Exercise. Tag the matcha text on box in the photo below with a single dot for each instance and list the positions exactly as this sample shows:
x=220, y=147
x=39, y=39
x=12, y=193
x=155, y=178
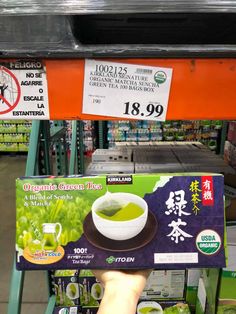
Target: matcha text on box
x=161, y=221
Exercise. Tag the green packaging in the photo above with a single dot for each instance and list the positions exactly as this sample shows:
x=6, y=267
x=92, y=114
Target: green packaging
x=124, y=221
x=227, y=282
x=66, y=287
x=91, y=291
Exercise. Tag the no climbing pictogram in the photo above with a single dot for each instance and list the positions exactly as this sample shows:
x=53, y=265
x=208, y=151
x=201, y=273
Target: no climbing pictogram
x=9, y=90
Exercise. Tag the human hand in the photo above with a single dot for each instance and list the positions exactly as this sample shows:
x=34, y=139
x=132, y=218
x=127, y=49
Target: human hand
x=132, y=280
x=122, y=290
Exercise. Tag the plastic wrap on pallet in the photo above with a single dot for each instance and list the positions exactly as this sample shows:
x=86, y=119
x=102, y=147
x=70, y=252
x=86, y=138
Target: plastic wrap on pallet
x=40, y=32
x=49, y=35
x=59, y=28
x=108, y=6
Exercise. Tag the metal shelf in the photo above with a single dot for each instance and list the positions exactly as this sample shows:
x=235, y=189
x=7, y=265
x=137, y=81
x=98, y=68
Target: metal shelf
x=63, y=7
x=39, y=163
x=51, y=35
x=198, y=88
x=73, y=51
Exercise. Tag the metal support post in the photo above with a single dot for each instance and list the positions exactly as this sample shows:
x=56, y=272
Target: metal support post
x=101, y=127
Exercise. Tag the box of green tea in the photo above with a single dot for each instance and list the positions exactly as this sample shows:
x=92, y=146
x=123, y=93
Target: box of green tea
x=163, y=307
x=66, y=287
x=161, y=221
x=91, y=290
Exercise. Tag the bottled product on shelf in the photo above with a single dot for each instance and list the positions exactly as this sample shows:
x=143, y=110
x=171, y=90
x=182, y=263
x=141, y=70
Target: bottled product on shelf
x=14, y=135
x=206, y=131
x=133, y=131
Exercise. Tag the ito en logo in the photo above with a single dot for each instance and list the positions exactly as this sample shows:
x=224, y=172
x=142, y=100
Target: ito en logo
x=208, y=242
x=160, y=77
x=110, y=259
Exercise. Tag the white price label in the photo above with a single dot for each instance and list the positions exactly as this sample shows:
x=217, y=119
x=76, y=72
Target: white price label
x=126, y=90
x=23, y=90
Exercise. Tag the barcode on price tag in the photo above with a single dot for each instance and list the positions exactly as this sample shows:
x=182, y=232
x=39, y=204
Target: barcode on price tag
x=126, y=90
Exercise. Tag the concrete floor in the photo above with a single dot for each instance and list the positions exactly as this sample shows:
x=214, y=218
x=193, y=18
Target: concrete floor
x=35, y=288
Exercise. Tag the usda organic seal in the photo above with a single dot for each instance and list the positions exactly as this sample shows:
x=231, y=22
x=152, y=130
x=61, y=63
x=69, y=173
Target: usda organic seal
x=160, y=77
x=208, y=242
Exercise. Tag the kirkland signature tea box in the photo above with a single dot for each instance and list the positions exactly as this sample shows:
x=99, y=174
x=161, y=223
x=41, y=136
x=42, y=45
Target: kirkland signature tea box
x=161, y=221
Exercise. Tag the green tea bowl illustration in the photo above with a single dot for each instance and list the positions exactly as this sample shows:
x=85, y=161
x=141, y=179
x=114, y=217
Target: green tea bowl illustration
x=119, y=216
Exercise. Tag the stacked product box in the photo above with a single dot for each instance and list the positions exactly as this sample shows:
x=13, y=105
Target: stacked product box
x=77, y=291
x=165, y=285
x=96, y=168
x=230, y=197
x=66, y=287
x=119, y=221
x=162, y=307
x=109, y=155
x=226, y=299
x=217, y=287
x=111, y=161
x=91, y=292
x=165, y=291
x=230, y=145
x=163, y=157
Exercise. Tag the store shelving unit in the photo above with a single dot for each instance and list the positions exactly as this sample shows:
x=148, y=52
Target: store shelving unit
x=207, y=132
x=203, y=85
x=14, y=135
x=53, y=16
x=39, y=162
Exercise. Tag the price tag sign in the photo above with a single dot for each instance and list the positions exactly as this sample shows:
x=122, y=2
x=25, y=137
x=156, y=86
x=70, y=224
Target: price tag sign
x=126, y=90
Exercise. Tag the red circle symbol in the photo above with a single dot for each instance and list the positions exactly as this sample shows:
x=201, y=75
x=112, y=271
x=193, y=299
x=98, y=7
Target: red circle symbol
x=3, y=99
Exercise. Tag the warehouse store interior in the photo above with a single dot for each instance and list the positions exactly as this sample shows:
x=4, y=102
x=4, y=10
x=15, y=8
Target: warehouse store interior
x=131, y=147
x=117, y=152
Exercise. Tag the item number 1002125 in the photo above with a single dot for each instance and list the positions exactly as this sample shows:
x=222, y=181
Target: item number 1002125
x=120, y=70
x=134, y=109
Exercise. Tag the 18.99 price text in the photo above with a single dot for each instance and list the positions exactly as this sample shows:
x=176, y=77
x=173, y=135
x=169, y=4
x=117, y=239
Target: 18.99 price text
x=149, y=110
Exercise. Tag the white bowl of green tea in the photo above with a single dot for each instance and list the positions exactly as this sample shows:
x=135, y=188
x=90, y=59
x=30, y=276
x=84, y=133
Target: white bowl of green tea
x=97, y=291
x=149, y=307
x=119, y=216
x=72, y=290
